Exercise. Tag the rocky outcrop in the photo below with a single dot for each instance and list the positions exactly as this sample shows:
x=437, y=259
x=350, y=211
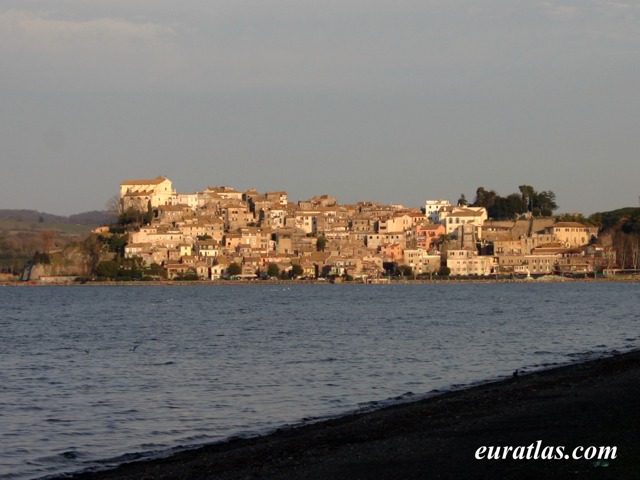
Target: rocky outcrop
x=74, y=260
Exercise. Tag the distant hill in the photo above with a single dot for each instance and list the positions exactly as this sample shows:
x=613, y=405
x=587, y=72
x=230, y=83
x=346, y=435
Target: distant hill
x=613, y=218
x=93, y=218
x=25, y=232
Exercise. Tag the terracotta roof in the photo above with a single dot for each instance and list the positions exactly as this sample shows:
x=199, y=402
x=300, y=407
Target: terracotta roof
x=222, y=190
x=173, y=208
x=466, y=213
x=431, y=226
x=319, y=256
x=153, y=181
x=569, y=224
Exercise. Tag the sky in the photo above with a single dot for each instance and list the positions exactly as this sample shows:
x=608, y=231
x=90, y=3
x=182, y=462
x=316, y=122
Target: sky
x=389, y=101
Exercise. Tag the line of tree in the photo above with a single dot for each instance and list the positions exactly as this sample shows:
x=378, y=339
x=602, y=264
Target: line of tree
x=628, y=219
x=620, y=231
x=528, y=200
x=135, y=217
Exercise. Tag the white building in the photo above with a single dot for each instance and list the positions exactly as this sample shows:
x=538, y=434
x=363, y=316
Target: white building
x=432, y=209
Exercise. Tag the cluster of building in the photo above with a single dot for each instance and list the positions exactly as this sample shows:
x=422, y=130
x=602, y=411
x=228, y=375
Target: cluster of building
x=204, y=232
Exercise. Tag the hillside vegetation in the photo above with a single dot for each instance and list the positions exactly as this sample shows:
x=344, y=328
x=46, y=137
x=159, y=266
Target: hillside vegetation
x=24, y=233
x=620, y=231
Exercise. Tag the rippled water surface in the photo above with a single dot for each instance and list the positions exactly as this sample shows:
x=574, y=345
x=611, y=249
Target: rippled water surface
x=91, y=376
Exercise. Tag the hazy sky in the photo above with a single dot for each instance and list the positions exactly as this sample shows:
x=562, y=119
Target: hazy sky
x=392, y=101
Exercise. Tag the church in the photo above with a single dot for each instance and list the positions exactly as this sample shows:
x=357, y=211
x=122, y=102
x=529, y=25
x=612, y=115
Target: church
x=138, y=193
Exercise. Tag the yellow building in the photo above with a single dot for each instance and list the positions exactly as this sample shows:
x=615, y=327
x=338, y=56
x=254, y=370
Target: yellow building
x=573, y=234
x=468, y=262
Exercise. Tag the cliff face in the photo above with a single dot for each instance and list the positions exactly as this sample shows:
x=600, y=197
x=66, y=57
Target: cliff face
x=74, y=260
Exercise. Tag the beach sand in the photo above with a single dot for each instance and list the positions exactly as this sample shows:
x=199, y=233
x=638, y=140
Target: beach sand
x=596, y=403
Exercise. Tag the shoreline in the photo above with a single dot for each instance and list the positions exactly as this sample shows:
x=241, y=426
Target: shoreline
x=593, y=403
x=455, y=281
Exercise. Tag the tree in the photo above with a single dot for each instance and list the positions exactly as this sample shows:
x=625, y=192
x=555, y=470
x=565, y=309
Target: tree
x=631, y=224
x=156, y=270
x=462, y=201
x=546, y=202
x=297, y=270
x=188, y=276
x=507, y=207
x=577, y=217
x=114, y=206
x=92, y=247
x=131, y=216
x=234, y=269
x=405, y=270
x=480, y=197
x=528, y=196
x=132, y=268
x=516, y=204
x=444, y=271
x=390, y=268
x=443, y=241
x=116, y=243
x=148, y=217
x=609, y=220
x=107, y=269
x=484, y=198
x=273, y=270
x=321, y=243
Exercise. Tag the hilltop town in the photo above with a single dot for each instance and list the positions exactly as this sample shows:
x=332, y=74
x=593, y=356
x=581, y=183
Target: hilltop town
x=221, y=232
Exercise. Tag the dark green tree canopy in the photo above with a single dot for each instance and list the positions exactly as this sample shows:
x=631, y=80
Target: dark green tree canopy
x=509, y=207
x=405, y=270
x=577, y=217
x=631, y=224
x=484, y=198
x=107, y=269
x=444, y=271
x=273, y=270
x=321, y=244
x=297, y=270
x=234, y=269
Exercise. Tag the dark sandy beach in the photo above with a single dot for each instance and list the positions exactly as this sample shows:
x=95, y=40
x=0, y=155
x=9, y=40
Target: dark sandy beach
x=596, y=403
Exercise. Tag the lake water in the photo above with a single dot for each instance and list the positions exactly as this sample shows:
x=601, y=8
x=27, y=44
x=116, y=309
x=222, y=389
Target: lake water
x=93, y=376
